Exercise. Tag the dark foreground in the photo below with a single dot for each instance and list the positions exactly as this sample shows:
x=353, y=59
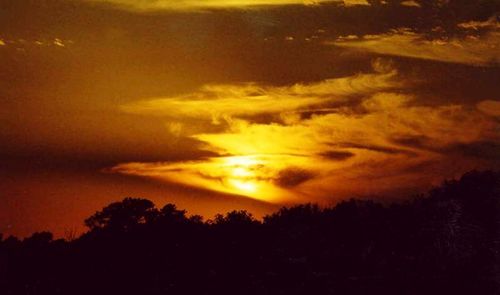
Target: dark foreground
x=446, y=242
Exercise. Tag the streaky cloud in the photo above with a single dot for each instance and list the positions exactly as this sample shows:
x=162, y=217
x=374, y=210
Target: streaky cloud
x=490, y=107
x=146, y=5
x=293, y=162
x=216, y=102
x=411, y=3
x=477, y=50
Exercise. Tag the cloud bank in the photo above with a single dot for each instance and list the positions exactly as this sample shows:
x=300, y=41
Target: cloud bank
x=197, y=4
x=355, y=135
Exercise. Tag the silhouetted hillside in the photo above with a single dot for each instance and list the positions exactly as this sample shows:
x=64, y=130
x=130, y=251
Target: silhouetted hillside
x=446, y=242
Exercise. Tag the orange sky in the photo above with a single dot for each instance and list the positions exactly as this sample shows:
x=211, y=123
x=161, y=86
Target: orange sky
x=221, y=105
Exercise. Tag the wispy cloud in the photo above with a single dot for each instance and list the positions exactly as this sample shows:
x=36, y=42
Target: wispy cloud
x=481, y=50
x=491, y=23
x=490, y=107
x=35, y=43
x=216, y=102
x=197, y=4
x=352, y=149
x=411, y=3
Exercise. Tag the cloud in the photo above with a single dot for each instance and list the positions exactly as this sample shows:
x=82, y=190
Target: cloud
x=480, y=148
x=488, y=150
x=291, y=177
x=480, y=50
x=355, y=2
x=369, y=131
x=217, y=102
x=337, y=154
x=197, y=4
x=411, y=3
x=35, y=43
x=490, y=107
x=491, y=23
x=259, y=177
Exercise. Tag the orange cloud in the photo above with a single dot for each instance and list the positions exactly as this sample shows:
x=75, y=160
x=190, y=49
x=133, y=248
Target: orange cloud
x=217, y=102
x=197, y=4
x=490, y=107
x=491, y=23
x=343, y=152
x=411, y=3
x=472, y=50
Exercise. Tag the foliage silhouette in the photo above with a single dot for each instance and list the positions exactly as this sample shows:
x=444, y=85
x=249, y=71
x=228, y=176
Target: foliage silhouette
x=123, y=215
x=446, y=242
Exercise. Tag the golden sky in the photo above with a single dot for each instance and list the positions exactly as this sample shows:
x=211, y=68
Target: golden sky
x=148, y=5
x=219, y=105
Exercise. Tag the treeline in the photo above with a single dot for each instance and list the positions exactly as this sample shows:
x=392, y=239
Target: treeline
x=444, y=242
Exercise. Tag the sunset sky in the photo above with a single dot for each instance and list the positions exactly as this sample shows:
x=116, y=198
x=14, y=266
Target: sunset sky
x=217, y=105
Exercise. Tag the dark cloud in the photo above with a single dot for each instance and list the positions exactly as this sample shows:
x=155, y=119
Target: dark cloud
x=483, y=149
x=337, y=155
x=291, y=177
x=418, y=142
x=443, y=83
x=487, y=150
x=378, y=149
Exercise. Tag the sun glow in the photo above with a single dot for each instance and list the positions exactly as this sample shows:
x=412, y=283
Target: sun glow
x=241, y=173
x=255, y=176
x=248, y=175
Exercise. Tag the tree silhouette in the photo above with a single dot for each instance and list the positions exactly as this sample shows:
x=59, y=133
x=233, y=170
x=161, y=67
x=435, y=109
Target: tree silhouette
x=39, y=238
x=443, y=242
x=123, y=215
x=170, y=213
x=235, y=218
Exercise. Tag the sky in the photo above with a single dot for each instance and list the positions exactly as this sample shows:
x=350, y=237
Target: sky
x=220, y=105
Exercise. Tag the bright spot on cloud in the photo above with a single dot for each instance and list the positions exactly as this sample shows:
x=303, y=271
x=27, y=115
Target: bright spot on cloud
x=248, y=175
x=355, y=2
x=59, y=42
x=410, y=3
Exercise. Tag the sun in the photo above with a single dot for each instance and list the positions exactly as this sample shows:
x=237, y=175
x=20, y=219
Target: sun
x=241, y=173
x=254, y=176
